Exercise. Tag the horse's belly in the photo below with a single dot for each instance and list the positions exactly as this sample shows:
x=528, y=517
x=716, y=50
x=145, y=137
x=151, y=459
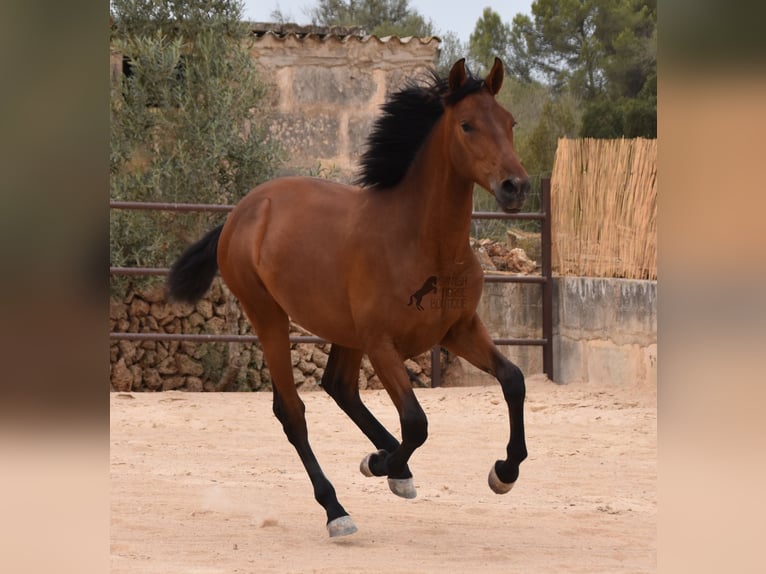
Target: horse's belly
x=418, y=334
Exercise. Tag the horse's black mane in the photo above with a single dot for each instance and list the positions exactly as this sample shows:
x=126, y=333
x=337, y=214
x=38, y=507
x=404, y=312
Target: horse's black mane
x=407, y=119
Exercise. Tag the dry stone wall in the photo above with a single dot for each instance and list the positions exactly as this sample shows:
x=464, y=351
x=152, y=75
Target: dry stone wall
x=152, y=365
x=184, y=365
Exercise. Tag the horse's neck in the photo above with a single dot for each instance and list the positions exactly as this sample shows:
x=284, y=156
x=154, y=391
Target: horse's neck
x=439, y=204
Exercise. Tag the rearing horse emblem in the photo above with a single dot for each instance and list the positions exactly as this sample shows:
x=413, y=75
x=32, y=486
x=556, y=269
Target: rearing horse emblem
x=428, y=287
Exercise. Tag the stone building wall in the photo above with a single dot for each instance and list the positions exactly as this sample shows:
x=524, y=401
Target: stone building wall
x=329, y=85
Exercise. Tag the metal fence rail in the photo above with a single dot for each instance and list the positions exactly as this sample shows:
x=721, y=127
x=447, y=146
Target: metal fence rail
x=545, y=279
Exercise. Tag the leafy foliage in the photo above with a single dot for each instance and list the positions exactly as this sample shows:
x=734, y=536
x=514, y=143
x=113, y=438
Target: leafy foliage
x=603, y=52
x=185, y=121
x=451, y=50
x=378, y=17
x=490, y=38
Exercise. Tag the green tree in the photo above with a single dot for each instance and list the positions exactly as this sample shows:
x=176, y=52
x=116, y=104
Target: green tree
x=186, y=121
x=451, y=50
x=543, y=116
x=489, y=39
x=602, y=51
x=518, y=62
x=627, y=32
x=561, y=45
x=378, y=17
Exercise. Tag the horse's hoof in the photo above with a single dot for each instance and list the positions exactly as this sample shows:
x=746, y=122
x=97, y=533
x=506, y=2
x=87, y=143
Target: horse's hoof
x=342, y=526
x=364, y=466
x=404, y=487
x=497, y=485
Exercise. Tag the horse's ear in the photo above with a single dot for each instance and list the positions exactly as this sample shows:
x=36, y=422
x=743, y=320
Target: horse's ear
x=494, y=80
x=457, y=75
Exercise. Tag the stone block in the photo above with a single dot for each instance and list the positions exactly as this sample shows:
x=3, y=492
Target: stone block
x=528, y=358
x=614, y=364
x=569, y=360
x=635, y=311
x=584, y=308
x=152, y=379
x=649, y=364
x=511, y=310
x=621, y=310
x=172, y=383
x=359, y=128
x=185, y=365
x=194, y=384
x=308, y=137
x=337, y=86
x=528, y=241
x=122, y=376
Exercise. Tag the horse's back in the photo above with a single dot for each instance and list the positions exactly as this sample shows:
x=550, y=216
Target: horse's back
x=291, y=235
x=288, y=212
x=298, y=199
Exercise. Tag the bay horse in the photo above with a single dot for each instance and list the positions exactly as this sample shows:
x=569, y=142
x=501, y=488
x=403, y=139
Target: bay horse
x=345, y=262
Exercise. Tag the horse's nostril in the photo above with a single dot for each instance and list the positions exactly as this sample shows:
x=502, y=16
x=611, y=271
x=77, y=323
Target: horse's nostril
x=516, y=185
x=509, y=186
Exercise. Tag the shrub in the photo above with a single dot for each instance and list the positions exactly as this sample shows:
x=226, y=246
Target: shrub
x=187, y=122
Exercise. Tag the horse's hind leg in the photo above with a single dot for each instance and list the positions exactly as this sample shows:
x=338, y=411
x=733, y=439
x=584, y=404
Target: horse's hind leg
x=341, y=381
x=471, y=341
x=272, y=326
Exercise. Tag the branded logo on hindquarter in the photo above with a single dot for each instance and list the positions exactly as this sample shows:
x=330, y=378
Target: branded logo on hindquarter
x=448, y=293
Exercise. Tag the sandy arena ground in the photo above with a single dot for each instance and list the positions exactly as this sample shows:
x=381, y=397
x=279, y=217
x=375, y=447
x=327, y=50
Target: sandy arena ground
x=207, y=483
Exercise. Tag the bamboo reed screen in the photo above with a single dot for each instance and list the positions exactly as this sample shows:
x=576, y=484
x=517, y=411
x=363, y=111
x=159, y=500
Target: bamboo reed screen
x=604, y=208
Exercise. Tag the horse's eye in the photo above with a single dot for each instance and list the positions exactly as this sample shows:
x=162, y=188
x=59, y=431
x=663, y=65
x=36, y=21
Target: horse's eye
x=467, y=128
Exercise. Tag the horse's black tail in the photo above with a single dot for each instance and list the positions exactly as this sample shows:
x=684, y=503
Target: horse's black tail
x=193, y=272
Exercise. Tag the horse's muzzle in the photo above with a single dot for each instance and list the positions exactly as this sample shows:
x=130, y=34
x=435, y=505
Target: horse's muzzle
x=512, y=193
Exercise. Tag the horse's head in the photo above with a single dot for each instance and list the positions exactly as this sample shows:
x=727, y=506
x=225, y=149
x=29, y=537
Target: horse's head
x=481, y=136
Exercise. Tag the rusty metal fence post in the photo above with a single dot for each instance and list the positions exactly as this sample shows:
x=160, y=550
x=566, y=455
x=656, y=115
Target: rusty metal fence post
x=546, y=242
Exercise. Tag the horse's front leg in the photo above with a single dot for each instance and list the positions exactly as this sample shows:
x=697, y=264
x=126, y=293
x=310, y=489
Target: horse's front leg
x=393, y=374
x=341, y=381
x=470, y=340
